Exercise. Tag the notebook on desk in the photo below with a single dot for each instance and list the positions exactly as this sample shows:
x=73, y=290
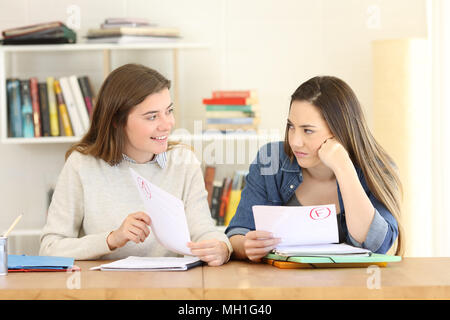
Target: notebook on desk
x=24, y=263
x=329, y=261
x=133, y=263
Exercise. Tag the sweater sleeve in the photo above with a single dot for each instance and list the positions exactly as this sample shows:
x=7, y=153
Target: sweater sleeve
x=198, y=215
x=60, y=235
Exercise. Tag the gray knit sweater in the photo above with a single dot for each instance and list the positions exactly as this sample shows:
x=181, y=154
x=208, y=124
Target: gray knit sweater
x=92, y=198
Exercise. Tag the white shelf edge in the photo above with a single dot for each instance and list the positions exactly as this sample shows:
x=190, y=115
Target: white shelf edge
x=102, y=46
x=41, y=140
x=228, y=136
x=174, y=138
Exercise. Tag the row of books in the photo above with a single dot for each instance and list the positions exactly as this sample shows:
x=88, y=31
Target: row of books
x=131, y=30
x=224, y=196
x=42, y=33
x=56, y=107
x=232, y=110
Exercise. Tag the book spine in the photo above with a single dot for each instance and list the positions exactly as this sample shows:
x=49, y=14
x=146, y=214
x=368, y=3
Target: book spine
x=36, y=107
x=230, y=127
x=242, y=108
x=77, y=127
x=233, y=94
x=87, y=94
x=209, y=179
x=230, y=101
x=229, y=114
x=229, y=121
x=14, y=107
x=27, y=109
x=215, y=200
x=62, y=109
x=52, y=107
x=79, y=100
x=43, y=102
x=226, y=189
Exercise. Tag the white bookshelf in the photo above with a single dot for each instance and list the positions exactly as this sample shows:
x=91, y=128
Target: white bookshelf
x=8, y=51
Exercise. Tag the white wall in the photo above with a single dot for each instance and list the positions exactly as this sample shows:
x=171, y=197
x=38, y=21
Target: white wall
x=268, y=45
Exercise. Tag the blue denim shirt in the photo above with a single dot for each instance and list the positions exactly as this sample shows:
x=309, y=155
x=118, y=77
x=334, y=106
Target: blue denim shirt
x=273, y=179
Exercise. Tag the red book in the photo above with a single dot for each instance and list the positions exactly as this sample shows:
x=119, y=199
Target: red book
x=230, y=101
x=233, y=94
x=34, y=92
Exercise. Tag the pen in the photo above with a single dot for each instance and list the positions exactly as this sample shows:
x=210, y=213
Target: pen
x=13, y=225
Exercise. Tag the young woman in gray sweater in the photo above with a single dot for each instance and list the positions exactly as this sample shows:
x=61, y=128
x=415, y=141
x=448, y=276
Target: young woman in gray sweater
x=96, y=211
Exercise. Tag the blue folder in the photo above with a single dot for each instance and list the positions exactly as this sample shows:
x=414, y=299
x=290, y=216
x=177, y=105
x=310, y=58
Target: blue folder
x=38, y=263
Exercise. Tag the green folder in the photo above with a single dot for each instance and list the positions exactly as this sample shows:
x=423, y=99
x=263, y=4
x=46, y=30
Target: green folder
x=329, y=261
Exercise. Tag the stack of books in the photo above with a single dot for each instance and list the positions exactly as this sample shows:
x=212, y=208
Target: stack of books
x=224, y=196
x=43, y=33
x=232, y=110
x=56, y=107
x=127, y=30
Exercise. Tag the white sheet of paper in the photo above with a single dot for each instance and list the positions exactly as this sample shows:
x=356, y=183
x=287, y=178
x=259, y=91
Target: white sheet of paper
x=302, y=225
x=168, y=219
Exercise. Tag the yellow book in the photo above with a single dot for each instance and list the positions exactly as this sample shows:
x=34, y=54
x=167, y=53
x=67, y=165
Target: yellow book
x=235, y=197
x=63, y=110
x=52, y=107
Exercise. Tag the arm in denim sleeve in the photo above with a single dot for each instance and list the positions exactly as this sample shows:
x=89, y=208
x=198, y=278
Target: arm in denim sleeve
x=383, y=230
x=254, y=193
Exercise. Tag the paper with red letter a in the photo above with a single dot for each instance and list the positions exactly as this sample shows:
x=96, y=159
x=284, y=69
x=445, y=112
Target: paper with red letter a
x=302, y=225
x=167, y=214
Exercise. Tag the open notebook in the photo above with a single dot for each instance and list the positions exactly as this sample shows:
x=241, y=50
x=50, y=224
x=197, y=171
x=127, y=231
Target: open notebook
x=133, y=263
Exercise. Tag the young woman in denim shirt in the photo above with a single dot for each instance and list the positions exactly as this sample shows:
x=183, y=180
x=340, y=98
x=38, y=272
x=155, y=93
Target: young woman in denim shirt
x=328, y=156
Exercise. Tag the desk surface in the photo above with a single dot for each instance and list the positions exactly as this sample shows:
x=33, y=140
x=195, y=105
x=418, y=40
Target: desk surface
x=413, y=278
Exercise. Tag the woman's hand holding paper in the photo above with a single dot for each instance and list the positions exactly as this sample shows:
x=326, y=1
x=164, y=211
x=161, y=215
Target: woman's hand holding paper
x=214, y=252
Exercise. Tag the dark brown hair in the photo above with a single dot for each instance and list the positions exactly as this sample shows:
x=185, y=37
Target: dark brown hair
x=124, y=88
x=342, y=111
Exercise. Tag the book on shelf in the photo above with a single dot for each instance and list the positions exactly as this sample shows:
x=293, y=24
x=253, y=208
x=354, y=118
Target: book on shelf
x=52, y=107
x=44, y=33
x=218, y=94
x=225, y=196
x=14, y=108
x=72, y=108
x=235, y=195
x=29, y=29
x=134, y=31
x=86, y=90
x=27, y=109
x=131, y=39
x=58, y=107
x=126, y=22
x=131, y=30
x=35, y=106
x=230, y=101
x=229, y=114
x=66, y=125
x=210, y=172
x=44, y=108
x=242, y=120
x=79, y=102
x=232, y=110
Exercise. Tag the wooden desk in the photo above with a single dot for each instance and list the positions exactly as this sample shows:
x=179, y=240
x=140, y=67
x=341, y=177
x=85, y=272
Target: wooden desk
x=102, y=284
x=413, y=278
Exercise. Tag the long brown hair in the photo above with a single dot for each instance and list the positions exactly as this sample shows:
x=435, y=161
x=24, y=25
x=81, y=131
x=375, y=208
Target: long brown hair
x=342, y=111
x=124, y=88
